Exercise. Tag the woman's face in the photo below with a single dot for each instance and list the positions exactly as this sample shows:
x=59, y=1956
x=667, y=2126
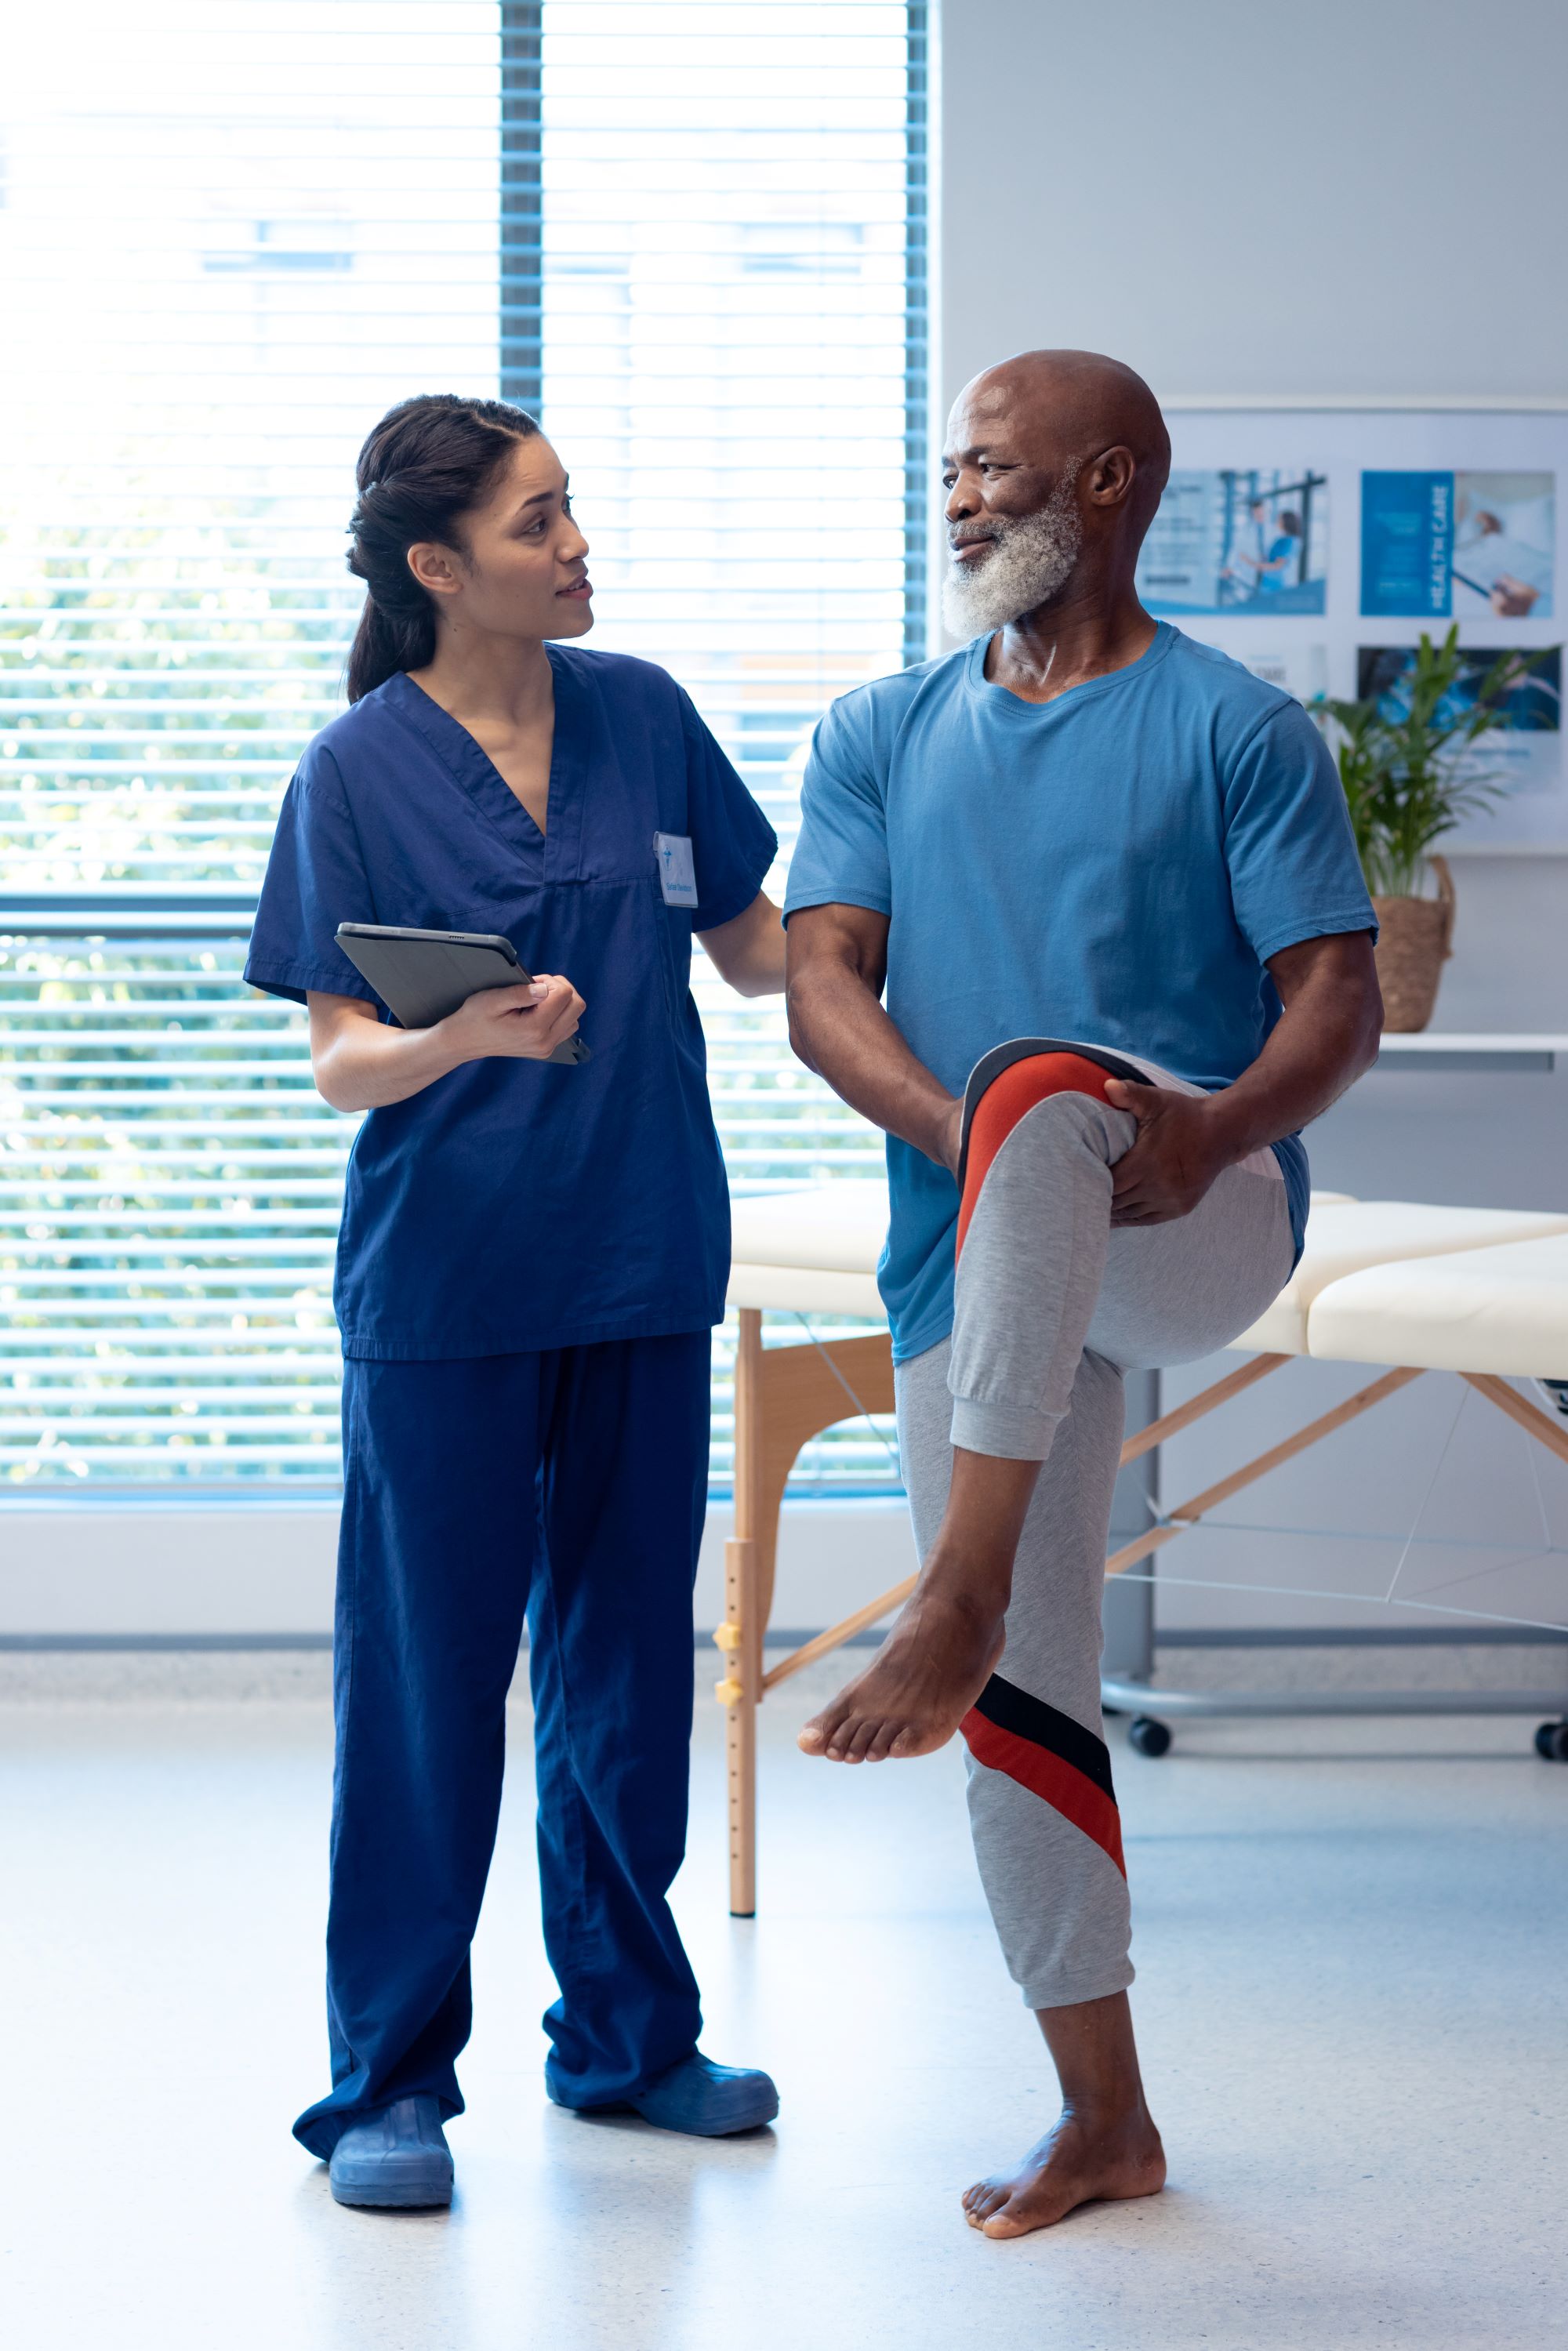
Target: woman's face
x=522, y=570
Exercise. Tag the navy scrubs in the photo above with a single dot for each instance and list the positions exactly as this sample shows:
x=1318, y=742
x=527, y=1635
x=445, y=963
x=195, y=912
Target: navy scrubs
x=531, y=1262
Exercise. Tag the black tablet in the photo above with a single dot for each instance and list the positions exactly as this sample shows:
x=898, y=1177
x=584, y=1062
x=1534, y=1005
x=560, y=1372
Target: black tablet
x=422, y=975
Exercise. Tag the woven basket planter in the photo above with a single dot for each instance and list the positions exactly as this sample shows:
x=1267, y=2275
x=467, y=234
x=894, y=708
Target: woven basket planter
x=1414, y=941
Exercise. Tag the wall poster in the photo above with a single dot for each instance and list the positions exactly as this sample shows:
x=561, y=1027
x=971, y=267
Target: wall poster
x=1238, y=537
x=1316, y=545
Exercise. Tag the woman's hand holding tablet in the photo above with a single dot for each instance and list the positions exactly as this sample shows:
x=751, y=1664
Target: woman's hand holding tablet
x=526, y=1023
x=458, y=997
x=359, y=1063
x=423, y=977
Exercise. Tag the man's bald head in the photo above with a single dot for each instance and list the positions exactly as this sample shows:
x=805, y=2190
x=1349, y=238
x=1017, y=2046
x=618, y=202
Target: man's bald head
x=1067, y=408
x=1055, y=460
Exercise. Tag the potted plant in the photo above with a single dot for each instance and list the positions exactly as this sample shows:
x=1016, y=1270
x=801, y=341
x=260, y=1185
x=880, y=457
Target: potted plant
x=1409, y=779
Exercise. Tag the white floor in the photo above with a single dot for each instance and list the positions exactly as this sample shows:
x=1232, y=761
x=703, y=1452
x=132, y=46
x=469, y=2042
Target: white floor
x=1350, y=1939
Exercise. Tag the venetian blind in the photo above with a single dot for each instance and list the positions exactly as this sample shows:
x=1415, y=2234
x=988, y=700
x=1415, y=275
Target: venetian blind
x=232, y=232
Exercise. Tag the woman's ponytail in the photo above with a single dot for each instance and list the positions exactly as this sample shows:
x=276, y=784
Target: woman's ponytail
x=428, y=463
x=385, y=643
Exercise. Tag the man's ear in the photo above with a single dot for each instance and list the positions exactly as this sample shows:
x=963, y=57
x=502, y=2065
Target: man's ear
x=1110, y=477
x=434, y=566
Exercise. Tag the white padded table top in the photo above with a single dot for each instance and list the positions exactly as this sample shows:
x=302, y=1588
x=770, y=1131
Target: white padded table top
x=1346, y=1236
x=814, y=1251
x=1502, y=1310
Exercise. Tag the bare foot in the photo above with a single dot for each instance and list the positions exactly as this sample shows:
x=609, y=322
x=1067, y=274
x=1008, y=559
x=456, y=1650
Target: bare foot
x=1077, y=2163
x=926, y=1677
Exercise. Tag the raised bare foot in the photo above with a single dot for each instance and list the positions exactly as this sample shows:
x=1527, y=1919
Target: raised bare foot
x=1077, y=2163
x=926, y=1677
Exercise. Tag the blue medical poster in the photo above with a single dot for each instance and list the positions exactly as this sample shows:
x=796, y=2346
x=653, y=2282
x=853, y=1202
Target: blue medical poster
x=1523, y=752
x=1239, y=539
x=1458, y=545
x=1406, y=543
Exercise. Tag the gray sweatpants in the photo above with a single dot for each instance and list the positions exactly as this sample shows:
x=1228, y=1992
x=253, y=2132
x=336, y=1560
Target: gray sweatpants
x=1053, y=1306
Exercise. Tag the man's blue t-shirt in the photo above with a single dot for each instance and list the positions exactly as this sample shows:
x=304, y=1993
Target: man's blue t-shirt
x=1114, y=866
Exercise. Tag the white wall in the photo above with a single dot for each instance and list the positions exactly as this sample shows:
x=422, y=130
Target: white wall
x=1240, y=197
x=1333, y=198
x=195, y=1570
x=1257, y=196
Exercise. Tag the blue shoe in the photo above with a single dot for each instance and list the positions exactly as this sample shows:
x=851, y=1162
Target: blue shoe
x=396, y=2160
x=706, y=2100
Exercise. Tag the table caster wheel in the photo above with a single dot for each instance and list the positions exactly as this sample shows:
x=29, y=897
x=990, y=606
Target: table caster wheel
x=1552, y=1742
x=1147, y=1737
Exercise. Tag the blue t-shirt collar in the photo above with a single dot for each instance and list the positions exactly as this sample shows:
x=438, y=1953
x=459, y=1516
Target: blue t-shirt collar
x=1000, y=697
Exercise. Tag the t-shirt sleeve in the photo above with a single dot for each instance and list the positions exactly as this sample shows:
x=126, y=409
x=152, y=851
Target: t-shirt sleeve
x=733, y=844
x=315, y=880
x=841, y=857
x=1294, y=872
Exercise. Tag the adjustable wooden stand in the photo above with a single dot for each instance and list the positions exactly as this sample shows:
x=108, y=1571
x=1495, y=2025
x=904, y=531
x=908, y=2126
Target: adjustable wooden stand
x=783, y=1397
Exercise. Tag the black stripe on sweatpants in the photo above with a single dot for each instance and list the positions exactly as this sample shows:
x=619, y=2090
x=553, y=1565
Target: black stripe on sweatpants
x=1011, y=1708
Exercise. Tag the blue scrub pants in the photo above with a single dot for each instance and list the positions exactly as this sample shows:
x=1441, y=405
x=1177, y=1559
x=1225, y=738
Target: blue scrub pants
x=569, y=1485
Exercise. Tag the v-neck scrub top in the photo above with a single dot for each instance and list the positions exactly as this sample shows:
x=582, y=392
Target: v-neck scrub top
x=515, y=1205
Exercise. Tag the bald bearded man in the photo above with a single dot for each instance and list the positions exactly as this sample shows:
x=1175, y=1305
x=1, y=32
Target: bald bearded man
x=1106, y=880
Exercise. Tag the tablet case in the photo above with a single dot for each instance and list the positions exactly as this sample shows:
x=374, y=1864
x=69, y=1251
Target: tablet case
x=422, y=975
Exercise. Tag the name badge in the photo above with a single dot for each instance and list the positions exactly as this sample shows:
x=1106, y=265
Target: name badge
x=678, y=873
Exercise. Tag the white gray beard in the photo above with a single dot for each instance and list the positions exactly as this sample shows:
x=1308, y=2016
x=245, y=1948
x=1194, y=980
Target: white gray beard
x=1031, y=557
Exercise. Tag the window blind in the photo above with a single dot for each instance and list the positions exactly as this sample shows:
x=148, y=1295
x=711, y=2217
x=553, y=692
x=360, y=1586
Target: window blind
x=232, y=232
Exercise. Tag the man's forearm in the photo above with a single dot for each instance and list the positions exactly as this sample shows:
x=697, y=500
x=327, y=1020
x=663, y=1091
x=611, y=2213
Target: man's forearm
x=837, y=1028
x=1326, y=1038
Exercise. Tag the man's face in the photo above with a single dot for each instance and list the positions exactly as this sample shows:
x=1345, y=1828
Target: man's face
x=1014, y=530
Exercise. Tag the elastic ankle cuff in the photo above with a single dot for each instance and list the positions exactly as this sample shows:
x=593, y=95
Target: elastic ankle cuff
x=1006, y=1431
x=1064, y=1991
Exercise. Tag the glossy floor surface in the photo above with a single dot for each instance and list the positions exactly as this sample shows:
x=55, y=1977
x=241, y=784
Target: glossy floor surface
x=1350, y=1939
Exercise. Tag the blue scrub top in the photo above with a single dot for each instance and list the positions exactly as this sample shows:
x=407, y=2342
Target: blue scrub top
x=516, y=1206
x=1271, y=584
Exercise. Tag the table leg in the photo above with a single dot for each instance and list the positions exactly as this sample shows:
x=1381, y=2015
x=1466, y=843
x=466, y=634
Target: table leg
x=743, y=1630
x=1129, y=1604
x=741, y=1693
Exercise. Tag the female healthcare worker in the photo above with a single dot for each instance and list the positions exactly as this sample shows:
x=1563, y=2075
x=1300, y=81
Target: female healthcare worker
x=531, y=1258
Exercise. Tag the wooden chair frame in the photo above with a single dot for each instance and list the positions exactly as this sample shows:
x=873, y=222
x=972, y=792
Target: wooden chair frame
x=786, y=1396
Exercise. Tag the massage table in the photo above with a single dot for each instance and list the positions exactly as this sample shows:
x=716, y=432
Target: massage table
x=1480, y=1292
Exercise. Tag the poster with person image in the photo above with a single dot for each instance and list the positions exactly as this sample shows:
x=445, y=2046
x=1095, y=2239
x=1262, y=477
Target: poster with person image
x=1460, y=545
x=1522, y=753
x=1239, y=539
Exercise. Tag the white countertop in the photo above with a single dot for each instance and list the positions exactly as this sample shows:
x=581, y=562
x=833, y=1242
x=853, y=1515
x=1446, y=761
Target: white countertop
x=1454, y=1052
x=1467, y=1040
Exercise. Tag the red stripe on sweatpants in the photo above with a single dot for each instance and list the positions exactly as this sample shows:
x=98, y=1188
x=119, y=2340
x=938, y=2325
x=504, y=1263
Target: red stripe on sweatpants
x=1008, y=1098
x=1060, y=1785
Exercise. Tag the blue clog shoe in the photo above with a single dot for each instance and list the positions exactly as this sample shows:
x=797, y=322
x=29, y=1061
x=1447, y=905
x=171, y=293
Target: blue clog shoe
x=396, y=2160
x=708, y=2101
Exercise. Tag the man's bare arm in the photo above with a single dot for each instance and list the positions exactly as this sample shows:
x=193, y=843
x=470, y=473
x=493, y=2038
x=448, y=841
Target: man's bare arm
x=1327, y=1036
x=837, y=965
